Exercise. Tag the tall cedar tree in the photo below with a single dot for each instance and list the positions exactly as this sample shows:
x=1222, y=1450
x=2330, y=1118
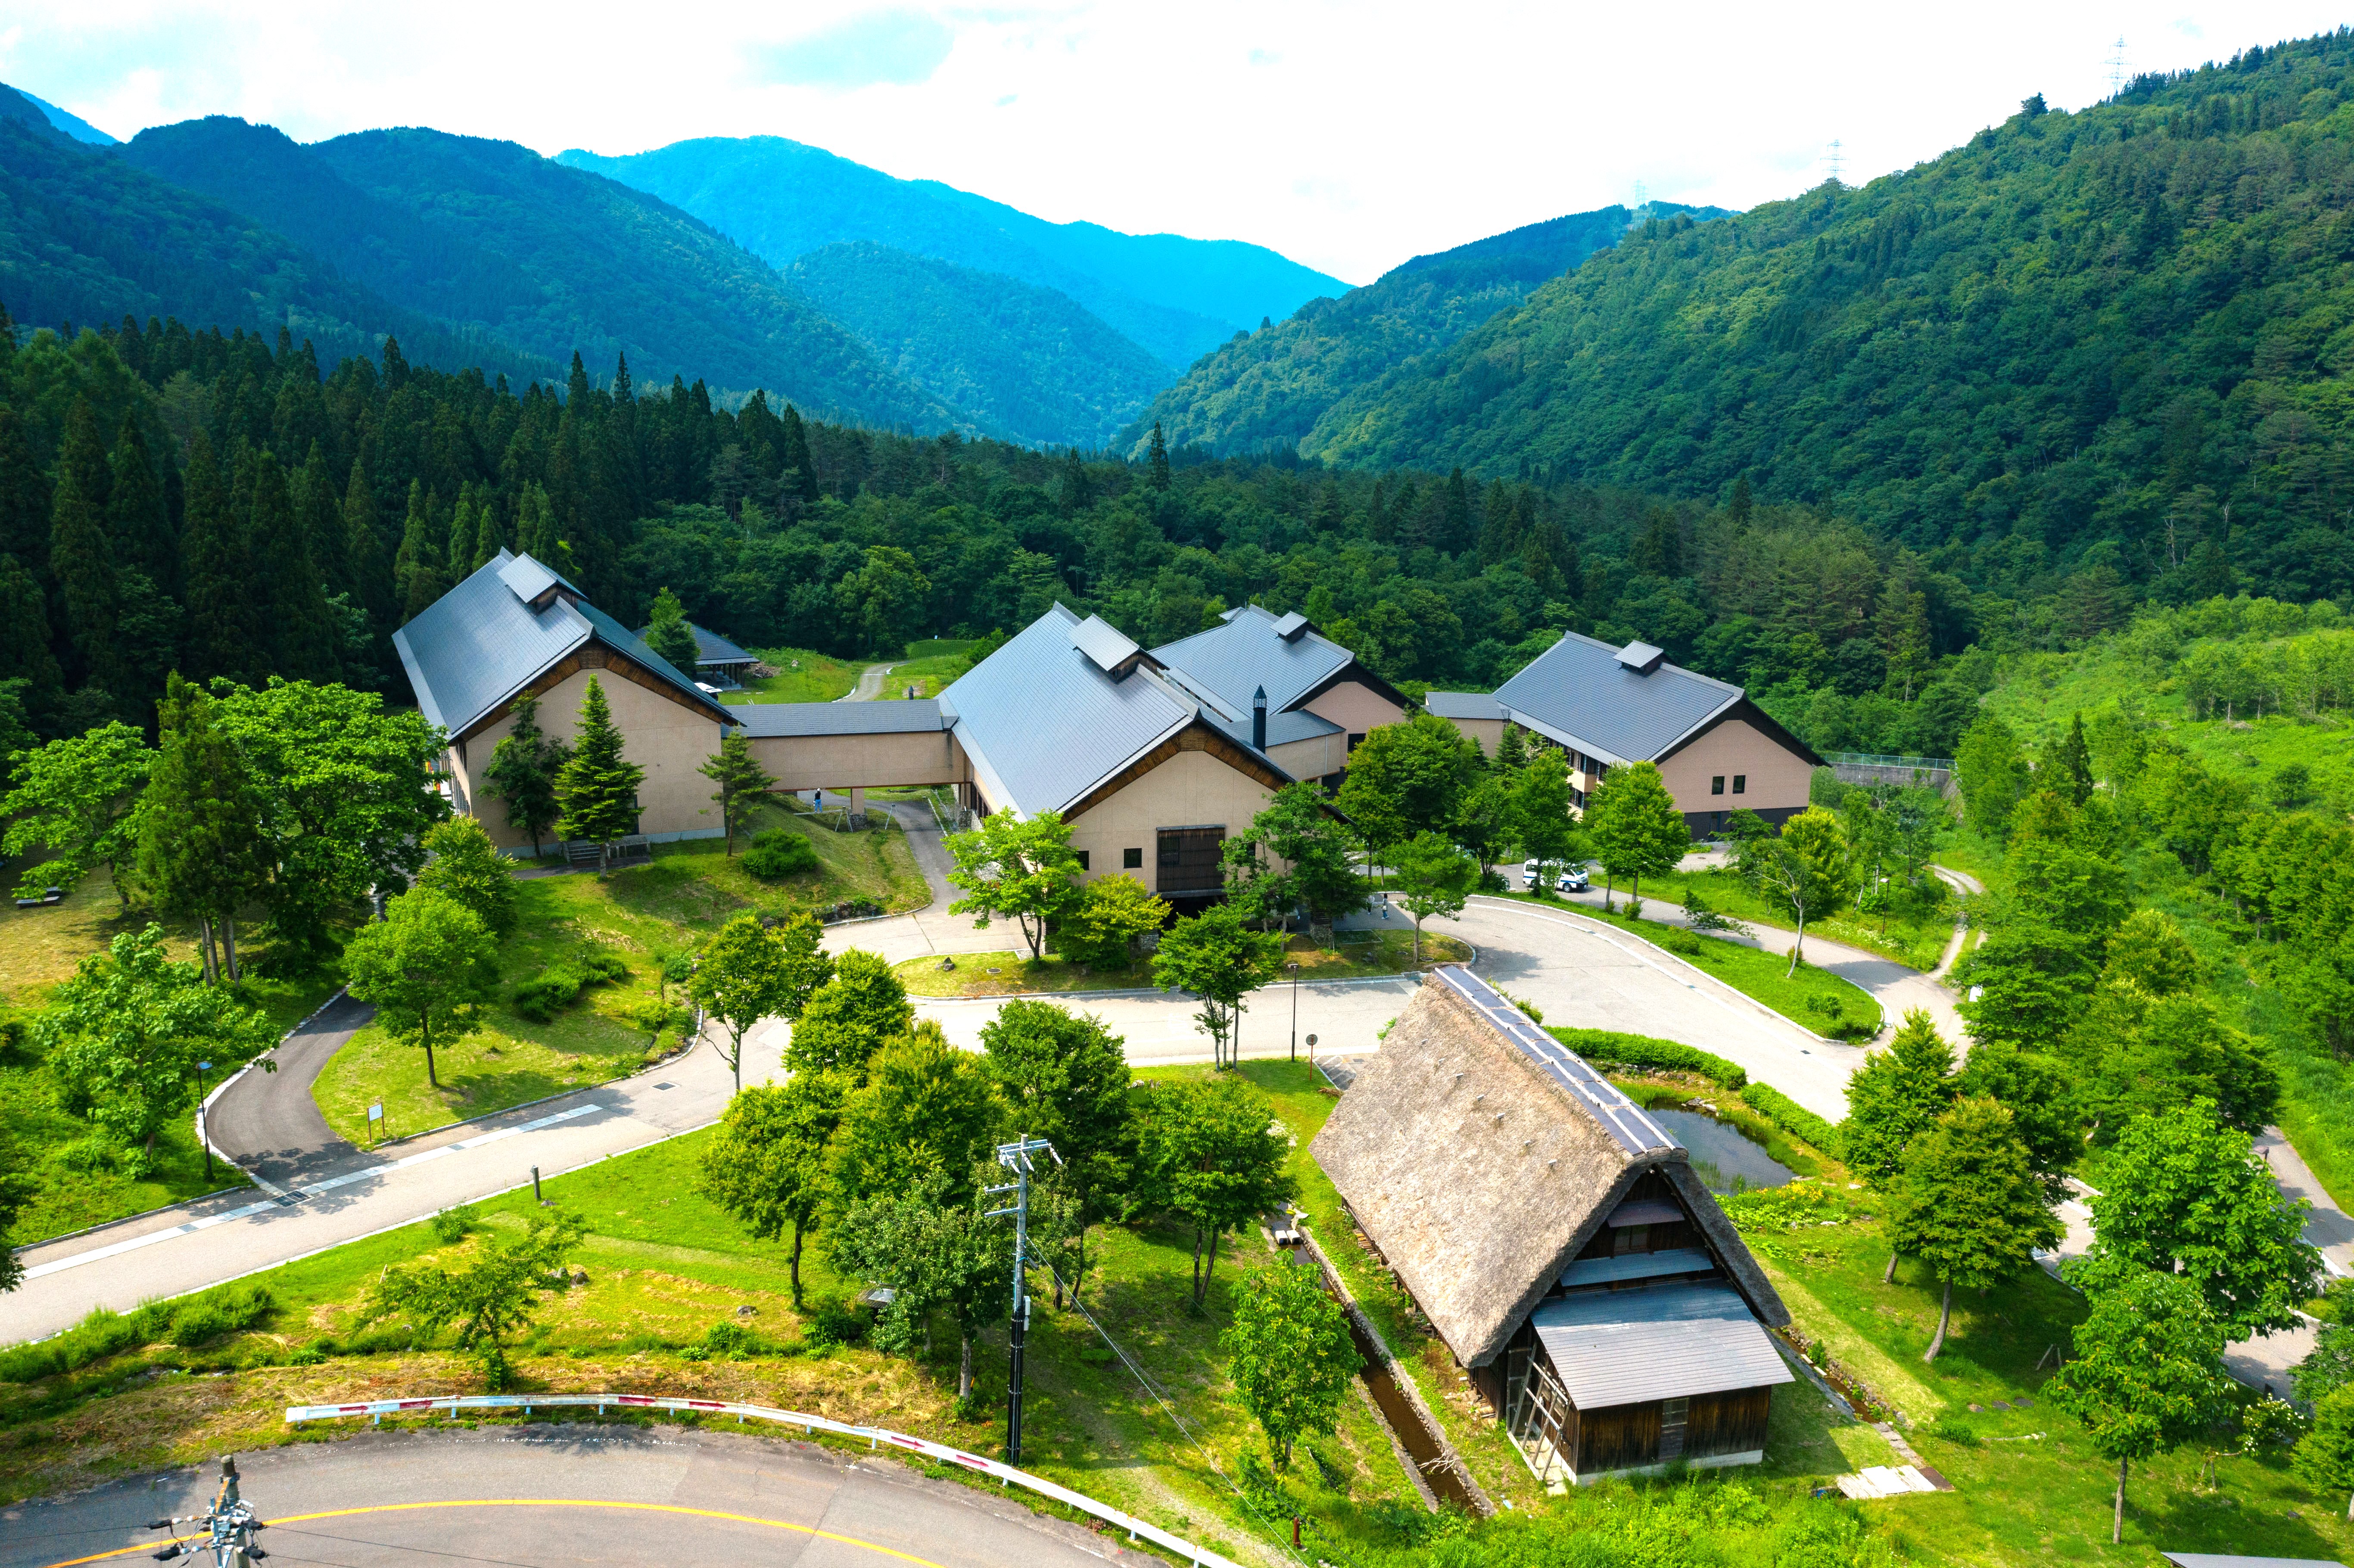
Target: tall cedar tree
x=80, y=553
x=300, y=636
x=319, y=513
x=136, y=514
x=669, y=635
x=596, y=788
x=24, y=642
x=199, y=824
x=416, y=568
x=742, y=783
x=523, y=771
x=364, y=546
x=24, y=497
x=220, y=625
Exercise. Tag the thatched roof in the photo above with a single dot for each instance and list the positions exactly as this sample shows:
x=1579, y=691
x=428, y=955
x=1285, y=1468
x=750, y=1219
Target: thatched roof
x=1480, y=1155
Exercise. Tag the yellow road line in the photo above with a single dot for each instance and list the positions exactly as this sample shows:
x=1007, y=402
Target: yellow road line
x=545, y=1502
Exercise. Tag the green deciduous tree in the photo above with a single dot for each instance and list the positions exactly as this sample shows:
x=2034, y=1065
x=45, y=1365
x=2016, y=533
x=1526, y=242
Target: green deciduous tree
x=1112, y=912
x=1970, y=1205
x=2148, y=1373
x=596, y=788
x=2329, y=1367
x=857, y=1003
x=1543, y=823
x=932, y=1247
x=1219, y=959
x=2325, y=1457
x=467, y=867
x=742, y=976
x=1315, y=850
x=766, y=1163
x=1434, y=877
x=1406, y=778
x=1210, y=1150
x=1016, y=869
x=2025, y=985
x=428, y=966
x=125, y=1033
x=742, y=783
x=2186, y=1196
x=523, y=771
x=1636, y=828
x=1992, y=774
x=1064, y=1077
x=927, y=1114
x=490, y=1300
x=75, y=798
x=1897, y=1093
x=1805, y=870
x=1290, y=1357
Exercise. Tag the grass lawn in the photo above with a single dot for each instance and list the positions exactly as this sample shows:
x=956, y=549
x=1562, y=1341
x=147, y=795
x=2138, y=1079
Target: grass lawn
x=645, y=914
x=78, y=1182
x=1013, y=973
x=1815, y=998
x=802, y=676
x=929, y=665
x=1916, y=939
x=663, y=1265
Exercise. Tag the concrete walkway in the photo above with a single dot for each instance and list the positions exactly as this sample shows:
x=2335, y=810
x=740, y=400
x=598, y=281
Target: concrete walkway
x=870, y=685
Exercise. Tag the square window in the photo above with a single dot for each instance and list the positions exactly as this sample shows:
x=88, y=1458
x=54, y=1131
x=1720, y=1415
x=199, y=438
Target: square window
x=1741, y=783
x=1355, y=741
x=1717, y=784
x=1083, y=859
x=1132, y=860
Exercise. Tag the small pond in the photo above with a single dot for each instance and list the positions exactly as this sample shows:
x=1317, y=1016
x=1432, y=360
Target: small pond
x=1721, y=1154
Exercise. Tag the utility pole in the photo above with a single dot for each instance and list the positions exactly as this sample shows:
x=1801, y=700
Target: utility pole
x=1295, y=1010
x=1015, y=1156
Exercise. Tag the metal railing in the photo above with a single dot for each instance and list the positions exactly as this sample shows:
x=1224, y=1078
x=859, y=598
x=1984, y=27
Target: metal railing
x=1874, y=759
x=875, y=1437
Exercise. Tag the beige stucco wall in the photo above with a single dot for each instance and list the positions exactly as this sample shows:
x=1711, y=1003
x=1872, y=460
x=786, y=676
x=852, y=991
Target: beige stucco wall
x=669, y=741
x=1357, y=709
x=1191, y=789
x=868, y=761
x=1311, y=759
x=1488, y=732
x=1777, y=777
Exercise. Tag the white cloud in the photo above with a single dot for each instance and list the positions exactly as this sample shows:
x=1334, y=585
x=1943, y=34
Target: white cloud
x=1350, y=136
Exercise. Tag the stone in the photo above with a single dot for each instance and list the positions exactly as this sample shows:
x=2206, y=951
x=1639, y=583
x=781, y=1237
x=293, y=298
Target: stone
x=746, y=1310
x=1978, y=1409
x=579, y=1276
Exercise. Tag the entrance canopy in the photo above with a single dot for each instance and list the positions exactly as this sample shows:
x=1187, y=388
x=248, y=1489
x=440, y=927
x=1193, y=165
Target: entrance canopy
x=1659, y=1341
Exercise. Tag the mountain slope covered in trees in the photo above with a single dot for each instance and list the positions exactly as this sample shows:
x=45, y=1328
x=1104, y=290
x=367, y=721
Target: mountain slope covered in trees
x=1023, y=362
x=1178, y=297
x=1272, y=387
x=555, y=261
x=2111, y=340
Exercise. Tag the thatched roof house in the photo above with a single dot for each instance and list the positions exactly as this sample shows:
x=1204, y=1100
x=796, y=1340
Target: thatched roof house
x=1557, y=1239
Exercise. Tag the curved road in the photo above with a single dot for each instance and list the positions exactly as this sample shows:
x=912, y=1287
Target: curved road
x=520, y=1496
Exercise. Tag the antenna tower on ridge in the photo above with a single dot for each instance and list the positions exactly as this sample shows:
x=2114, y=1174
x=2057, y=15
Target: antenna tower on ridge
x=1832, y=162
x=1642, y=195
x=2117, y=73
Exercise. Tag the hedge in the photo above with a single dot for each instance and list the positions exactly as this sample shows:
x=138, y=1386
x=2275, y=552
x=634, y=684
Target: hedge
x=1797, y=1117
x=1648, y=1050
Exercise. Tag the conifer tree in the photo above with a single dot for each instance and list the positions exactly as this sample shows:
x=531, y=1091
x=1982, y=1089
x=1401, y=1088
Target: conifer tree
x=1741, y=506
x=487, y=540
x=523, y=771
x=741, y=781
x=2070, y=765
x=364, y=548
x=80, y=553
x=1455, y=515
x=798, y=479
x=135, y=514
x=23, y=498
x=536, y=531
x=1970, y=1204
x=25, y=644
x=199, y=825
x=298, y=640
x=417, y=568
x=1078, y=493
x=220, y=629
x=1159, y=459
x=670, y=636
x=596, y=788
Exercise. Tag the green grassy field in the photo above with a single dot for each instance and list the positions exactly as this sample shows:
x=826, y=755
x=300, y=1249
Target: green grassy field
x=644, y=914
x=929, y=665
x=1807, y=998
x=1011, y=973
x=1916, y=939
x=802, y=676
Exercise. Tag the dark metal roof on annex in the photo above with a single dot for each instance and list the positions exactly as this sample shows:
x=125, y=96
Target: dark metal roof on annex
x=1047, y=717
x=769, y=721
x=471, y=650
x=710, y=648
x=1463, y=705
x=1254, y=648
x=1656, y=1341
x=1580, y=693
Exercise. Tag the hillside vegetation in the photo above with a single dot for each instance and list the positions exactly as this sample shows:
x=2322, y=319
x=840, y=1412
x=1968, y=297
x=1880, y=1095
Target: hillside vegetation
x=1019, y=361
x=1271, y=387
x=2112, y=337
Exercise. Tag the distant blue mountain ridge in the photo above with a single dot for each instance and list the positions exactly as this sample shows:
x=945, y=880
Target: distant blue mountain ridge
x=73, y=125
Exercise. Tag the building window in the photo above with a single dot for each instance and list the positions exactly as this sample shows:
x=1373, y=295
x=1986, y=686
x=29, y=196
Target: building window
x=1083, y=859
x=1741, y=783
x=1355, y=741
x=1675, y=1414
x=1717, y=784
x=1132, y=860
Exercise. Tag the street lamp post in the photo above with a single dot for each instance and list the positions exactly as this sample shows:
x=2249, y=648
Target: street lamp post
x=202, y=1068
x=1294, y=968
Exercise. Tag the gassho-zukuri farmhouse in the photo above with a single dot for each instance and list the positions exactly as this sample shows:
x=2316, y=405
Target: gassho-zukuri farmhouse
x=1153, y=756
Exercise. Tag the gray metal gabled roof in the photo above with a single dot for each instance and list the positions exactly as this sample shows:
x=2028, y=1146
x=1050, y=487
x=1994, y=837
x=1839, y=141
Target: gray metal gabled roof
x=476, y=646
x=1657, y=1341
x=1043, y=718
x=1464, y=704
x=710, y=648
x=1282, y=729
x=765, y=721
x=1229, y=661
x=1578, y=692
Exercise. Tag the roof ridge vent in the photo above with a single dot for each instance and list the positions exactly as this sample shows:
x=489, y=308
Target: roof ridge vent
x=1292, y=627
x=1105, y=646
x=1639, y=657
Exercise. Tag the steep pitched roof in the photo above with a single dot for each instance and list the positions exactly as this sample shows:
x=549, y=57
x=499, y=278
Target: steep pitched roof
x=710, y=648
x=471, y=651
x=1582, y=694
x=1065, y=705
x=1254, y=648
x=1480, y=1155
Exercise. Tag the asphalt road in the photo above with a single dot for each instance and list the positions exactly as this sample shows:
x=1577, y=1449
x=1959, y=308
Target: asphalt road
x=521, y=1498
x=270, y=1124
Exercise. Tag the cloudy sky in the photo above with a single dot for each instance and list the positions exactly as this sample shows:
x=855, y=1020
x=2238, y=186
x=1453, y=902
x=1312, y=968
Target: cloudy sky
x=1348, y=136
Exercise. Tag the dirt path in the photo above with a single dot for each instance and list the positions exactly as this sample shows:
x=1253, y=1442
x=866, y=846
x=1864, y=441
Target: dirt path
x=870, y=685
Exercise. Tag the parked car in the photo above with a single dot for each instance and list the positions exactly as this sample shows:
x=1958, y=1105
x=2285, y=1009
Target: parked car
x=1572, y=880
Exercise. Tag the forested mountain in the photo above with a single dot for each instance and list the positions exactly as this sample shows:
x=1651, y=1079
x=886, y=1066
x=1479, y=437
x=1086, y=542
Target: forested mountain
x=88, y=237
x=73, y=125
x=1178, y=297
x=551, y=259
x=2112, y=341
x=1019, y=361
x=1271, y=387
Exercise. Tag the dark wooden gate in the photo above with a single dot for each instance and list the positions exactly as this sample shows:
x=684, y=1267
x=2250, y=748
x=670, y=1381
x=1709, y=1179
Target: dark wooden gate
x=1189, y=866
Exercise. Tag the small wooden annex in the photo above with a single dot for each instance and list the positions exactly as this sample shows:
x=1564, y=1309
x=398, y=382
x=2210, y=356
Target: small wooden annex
x=1559, y=1242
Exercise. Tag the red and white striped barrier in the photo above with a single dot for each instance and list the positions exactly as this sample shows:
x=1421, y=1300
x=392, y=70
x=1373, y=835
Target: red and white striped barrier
x=875, y=1437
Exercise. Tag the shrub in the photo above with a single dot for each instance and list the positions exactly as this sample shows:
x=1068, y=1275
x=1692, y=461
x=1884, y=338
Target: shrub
x=1828, y=1004
x=835, y=1323
x=221, y=1310
x=88, y=1155
x=451, y=1225
x=1681, y=942
x=1649, y=1052
x=546, y=993
x=1960, y=1434
x=1794, y=1118
x=726, y=1342
x=779, y=853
